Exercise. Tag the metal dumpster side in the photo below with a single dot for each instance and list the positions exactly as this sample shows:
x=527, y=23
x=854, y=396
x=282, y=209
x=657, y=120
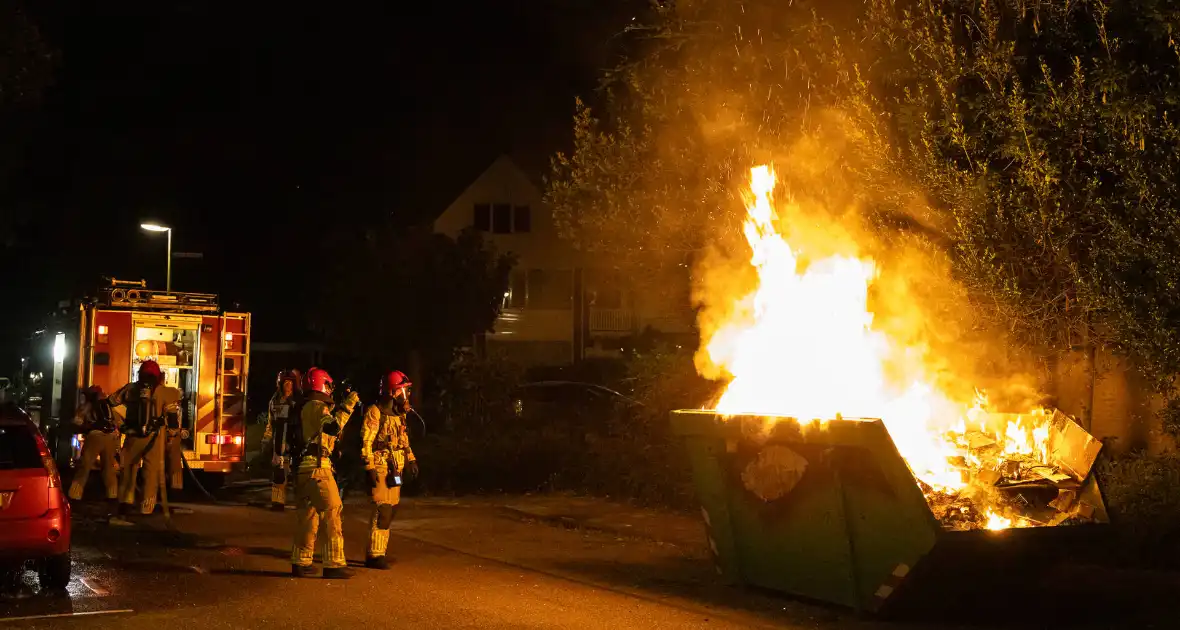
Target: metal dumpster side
x=849, y=529
x=830, y=511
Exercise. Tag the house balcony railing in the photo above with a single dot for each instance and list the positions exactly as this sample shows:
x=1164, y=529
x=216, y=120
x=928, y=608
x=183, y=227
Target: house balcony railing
x=610, y=320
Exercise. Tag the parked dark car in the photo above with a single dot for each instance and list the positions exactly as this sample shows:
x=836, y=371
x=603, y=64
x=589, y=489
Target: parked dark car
x=571, y=404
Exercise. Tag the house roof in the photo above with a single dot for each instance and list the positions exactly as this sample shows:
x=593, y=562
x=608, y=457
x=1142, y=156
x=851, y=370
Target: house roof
x=472, y=176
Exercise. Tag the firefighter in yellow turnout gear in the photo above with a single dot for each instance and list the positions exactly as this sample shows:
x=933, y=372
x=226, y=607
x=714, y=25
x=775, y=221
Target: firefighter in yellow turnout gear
x=317, y=498
x=152, y=409
x=385, y=450
x=280, y=410
x=96, y=421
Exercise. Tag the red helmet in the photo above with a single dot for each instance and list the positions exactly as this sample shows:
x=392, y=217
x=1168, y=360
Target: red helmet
x=392, y=382
x=317, y=380
x=150, y=368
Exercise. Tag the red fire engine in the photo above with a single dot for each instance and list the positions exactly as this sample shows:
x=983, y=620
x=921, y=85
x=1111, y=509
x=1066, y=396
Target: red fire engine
x=202, y=350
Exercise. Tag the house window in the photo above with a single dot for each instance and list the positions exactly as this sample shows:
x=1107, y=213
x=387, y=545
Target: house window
x=483, y=217
x=502, y=218
x=522, y=219
x=550, y=289
x=517, y=290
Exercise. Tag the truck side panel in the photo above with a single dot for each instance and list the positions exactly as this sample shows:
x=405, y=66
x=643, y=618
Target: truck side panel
x=113, y=349
x=235, y=355
x=207, y=411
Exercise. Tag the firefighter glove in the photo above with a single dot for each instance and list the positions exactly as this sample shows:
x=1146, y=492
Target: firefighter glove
x=411, y=469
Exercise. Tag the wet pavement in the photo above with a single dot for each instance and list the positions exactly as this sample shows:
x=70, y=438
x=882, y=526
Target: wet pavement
x=457, y=565
x=474, y=563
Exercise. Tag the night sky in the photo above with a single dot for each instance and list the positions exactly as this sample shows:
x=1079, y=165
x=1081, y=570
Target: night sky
x=251, y=129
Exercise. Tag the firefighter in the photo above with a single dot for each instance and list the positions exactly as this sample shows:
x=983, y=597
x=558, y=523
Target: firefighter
x=317, y=498
x=281, y=407
x=174, y=454
x=151, y=409
x=96, y=422
x=385, y=451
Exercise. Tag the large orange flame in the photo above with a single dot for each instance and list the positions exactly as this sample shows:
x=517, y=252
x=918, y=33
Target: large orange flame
x=802, y=344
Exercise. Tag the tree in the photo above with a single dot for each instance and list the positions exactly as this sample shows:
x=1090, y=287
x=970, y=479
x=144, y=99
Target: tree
x=1032, y=144
x=1046, y=132
x=395, y=291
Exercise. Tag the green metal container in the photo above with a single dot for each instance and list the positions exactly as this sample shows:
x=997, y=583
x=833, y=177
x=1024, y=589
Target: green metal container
x=843, y=520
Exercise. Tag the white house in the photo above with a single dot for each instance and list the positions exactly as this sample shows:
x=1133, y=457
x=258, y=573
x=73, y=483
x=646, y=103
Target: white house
x=561, y=306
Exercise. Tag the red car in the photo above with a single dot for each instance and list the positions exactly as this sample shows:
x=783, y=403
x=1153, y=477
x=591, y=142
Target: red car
x=34, y=512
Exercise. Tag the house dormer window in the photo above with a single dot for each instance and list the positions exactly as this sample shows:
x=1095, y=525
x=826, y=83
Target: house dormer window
x=502, y=218
x=483, y=217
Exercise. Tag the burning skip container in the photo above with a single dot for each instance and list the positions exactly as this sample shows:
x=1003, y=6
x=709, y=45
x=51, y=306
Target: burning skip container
x=831, y=511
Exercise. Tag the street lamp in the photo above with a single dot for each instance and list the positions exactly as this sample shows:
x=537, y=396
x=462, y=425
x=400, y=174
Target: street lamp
x=154, y=227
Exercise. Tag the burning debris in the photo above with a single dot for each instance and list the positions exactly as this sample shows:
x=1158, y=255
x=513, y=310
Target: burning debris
x=1027, y=471
x=802, y=345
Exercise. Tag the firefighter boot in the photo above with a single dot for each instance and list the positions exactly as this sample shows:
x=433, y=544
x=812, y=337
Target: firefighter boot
x=303, y=571
x=122, y=516
x=338, y=573
x=376, y=562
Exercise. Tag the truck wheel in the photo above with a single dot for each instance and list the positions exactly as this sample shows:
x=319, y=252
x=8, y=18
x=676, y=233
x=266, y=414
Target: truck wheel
x=54, y=572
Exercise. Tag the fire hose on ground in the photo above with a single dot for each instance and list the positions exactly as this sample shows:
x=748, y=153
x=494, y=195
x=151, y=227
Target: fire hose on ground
x=192, y=475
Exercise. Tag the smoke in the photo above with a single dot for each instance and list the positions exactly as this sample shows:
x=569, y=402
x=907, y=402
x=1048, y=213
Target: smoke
x=728, y=86
x=934, y=335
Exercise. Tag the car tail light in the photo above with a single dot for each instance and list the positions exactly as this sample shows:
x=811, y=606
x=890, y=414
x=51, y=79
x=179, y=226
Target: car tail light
x=51, y=467
x=48, y=463
x=235, y=440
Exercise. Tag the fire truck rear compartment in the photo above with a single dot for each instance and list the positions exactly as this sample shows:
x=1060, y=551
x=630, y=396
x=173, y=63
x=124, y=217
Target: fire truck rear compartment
x=175, y=348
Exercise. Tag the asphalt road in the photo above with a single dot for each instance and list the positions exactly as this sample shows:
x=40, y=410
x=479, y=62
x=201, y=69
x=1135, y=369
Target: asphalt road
x=462, y=564
x=456, y=566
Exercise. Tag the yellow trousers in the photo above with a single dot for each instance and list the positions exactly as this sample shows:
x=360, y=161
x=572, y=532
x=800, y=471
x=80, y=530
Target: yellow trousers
x=317, y=500
x=150, y=456
x=385, y=499
x=98, y=447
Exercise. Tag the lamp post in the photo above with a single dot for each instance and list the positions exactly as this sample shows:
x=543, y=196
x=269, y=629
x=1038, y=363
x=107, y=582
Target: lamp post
x=155, y=227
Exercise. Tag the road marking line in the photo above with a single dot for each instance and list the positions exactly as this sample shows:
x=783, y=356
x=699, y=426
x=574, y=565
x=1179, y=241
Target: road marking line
x=97, y=590
x=72, y=614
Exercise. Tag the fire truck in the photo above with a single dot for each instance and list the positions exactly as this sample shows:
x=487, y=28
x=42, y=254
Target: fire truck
x=201, y=349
